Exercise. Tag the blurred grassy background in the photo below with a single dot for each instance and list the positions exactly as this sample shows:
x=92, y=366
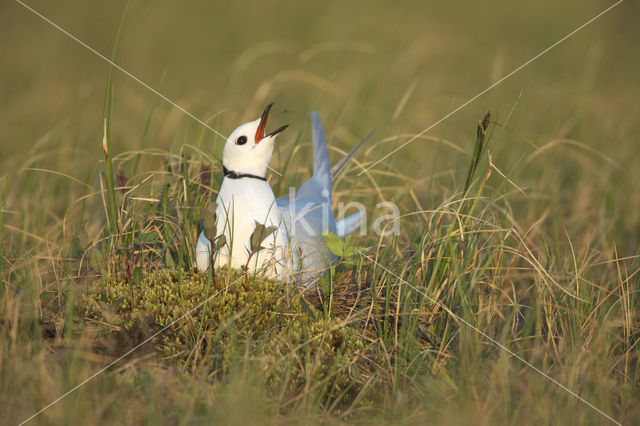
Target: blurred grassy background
x=571, y=146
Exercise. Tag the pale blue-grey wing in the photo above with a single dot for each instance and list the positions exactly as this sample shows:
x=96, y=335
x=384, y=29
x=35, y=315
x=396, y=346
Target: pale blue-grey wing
x=321, y=166
x=283, y=202
x=310, y=214
x=349, y=224
x=308, y=219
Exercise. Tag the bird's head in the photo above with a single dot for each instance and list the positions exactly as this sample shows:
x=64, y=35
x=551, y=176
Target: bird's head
x=249, y=149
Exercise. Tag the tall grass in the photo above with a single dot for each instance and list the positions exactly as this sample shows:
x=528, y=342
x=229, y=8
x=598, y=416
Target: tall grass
x=572, y=318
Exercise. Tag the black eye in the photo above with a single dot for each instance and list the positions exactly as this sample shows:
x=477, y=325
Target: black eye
x=241, y=140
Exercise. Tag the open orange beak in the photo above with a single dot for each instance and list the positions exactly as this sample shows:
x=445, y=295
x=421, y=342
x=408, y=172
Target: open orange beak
x=263, y=124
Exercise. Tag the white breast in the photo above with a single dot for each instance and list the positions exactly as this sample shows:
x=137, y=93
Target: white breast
x=240, y=203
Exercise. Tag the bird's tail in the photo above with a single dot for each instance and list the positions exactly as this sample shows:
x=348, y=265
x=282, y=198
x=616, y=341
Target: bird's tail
x=321, y=166
x=349, y=224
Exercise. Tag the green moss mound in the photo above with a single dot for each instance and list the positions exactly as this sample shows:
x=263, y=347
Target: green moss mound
x=211, y=325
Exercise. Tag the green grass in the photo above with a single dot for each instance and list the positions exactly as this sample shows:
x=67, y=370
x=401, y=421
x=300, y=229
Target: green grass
x=527, y=230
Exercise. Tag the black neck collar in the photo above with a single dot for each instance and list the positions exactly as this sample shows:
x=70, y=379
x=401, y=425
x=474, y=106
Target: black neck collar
x=234, y=175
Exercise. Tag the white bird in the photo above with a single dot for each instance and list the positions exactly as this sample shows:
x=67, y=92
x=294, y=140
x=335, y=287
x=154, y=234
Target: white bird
x=296, y=250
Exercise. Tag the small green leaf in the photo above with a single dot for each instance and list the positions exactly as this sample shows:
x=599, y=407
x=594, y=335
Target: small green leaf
x=334, y=243
x=260, y=233
x=209, y=215
x=349, y=246
x=270, y=230
x=346, y=250
x=220, y=241
x=209, y=218
x=350, y=251
x=256, y=236
x=137, y=276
